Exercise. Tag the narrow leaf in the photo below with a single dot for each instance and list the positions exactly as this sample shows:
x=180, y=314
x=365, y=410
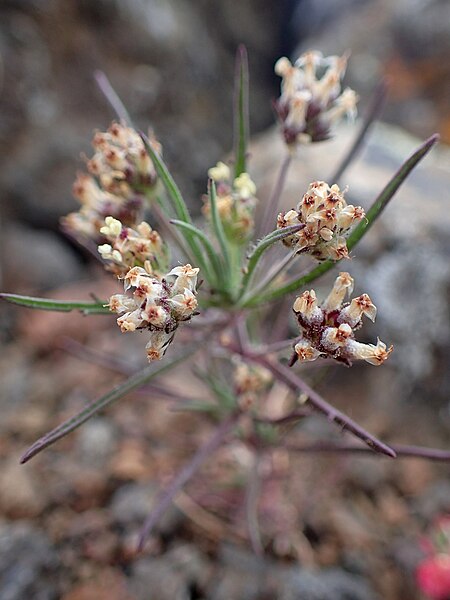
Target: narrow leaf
x=87, y=308
x=113, y=98
x=179, y=205
x=135, y=381
x=388, y=192
x=209, y=248
x=172, y=189
x=360, y=230
x=241, y=118
x=217, y=225
x=262, y=246
x=375, y=109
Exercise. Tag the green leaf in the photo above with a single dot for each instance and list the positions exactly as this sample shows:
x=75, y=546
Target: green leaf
x=263, y=245
x=360, y=230
x=241, y=119
x=209, y=248
x=388, y=192
x=217, y=226
x=172, y=189
x=87, y=308
x=181, y=210
x=134, y=382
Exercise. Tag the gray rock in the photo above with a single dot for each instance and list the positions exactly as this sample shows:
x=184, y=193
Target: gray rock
x=36, y=259
x=28, y=564
x=132, y=503
x=96, y=442
x=169, y=577
x=324, y=585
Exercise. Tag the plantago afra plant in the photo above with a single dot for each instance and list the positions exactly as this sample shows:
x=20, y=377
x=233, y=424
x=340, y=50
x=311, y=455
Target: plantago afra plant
x=228, y=280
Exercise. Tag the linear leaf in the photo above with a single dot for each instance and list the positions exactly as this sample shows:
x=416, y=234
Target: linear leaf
x=360, y=230
x=211, y=252
x=181, y=210
x=217, y=225
x=263, y=245
x=87, y=308
x=241, y=119
x=135, y=381
x=168, y=181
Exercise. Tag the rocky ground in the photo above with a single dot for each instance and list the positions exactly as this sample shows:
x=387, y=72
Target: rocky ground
x=346, y=527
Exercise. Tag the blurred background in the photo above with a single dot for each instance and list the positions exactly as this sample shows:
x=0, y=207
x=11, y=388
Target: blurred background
x=68, y=521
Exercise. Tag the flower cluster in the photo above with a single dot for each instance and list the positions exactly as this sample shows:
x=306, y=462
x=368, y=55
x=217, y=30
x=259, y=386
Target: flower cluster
x=311, y=100
x=249, y=382
x=121, y=176
x=158, y=304
x=329, y=330
x=236, y=202
x=121, y=161
x=326, y=217
x=433, y=572
x=130, y=247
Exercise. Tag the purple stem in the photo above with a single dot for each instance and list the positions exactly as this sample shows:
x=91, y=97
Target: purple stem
x=401, y=450
x=295, y=383
x=271, y=208
x=295, y=415
x=111, y=95
x=375, y=109
x=183, y=476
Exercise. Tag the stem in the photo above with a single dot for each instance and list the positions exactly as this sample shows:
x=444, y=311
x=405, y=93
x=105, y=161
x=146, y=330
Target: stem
x=376, y=107
x=295, y=415
x=111, y=95
x=400, y=450
x=203, y=453
x=295, y=383
x=273, y=202
x=276, y=270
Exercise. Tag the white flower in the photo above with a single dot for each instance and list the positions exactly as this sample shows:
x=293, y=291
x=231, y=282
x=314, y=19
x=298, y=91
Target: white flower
x=186, y=277
x=221, y=172
x=375, y=355
x=358, y=307
x=245, y=186
x=306, y=305
x=184, y=304
x=342, y=286
x=305, y=352
x=112, y=227
x=108, y=253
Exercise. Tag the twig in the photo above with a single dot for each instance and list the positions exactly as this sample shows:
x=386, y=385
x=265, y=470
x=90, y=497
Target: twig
x=202, y=454
x=295, y=415
x=111, y=95
x=401, y=450
x=271, y=208
x=375, y=108
x=295, y=383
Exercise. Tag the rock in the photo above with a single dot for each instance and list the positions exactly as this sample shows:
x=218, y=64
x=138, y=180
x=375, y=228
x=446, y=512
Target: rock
x=132, y=503
x=401, y=263
x=159, y=579
x=36, y=259
x=323, y=585
x=409, y=47
x=96, y=442
x=28, y=564
x=21, y=492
